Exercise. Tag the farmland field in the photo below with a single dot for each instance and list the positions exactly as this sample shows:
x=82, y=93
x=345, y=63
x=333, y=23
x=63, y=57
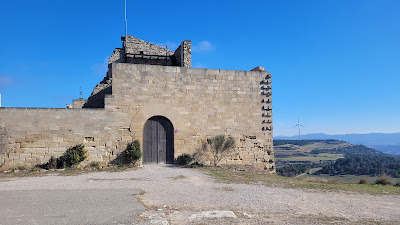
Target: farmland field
x=291, y=153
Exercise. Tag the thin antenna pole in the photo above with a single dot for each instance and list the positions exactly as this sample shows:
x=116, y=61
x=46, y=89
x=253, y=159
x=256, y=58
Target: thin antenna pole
x=126, y=24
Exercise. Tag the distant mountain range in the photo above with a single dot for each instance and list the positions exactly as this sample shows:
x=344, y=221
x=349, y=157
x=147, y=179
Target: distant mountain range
x=388, y=143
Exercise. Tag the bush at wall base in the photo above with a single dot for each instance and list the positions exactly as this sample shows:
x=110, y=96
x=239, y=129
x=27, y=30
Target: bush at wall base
x=71, y=157
x=133, y=152
x=183, y=160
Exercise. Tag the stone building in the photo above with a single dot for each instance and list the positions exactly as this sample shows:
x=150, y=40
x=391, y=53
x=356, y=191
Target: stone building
x=150, y=94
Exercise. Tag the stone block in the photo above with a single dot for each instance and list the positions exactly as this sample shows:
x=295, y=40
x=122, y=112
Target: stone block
x=13, y=155
x=31, y=160
x=25, y=155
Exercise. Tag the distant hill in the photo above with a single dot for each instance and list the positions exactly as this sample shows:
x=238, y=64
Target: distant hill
x=333, y=157
x=294, y=151
x=388, y=143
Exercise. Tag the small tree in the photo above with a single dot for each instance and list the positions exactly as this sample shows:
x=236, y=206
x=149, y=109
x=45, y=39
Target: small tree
x=133, y=152
x=217, y=148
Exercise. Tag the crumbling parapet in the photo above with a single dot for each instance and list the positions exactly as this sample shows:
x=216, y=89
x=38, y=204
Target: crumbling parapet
x=78, y=103
x=138, y=51
x=117, y=56
x=182, y=55
x=133, y=45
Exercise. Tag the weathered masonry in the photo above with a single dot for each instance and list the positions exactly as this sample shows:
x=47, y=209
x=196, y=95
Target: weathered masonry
x=153, y=95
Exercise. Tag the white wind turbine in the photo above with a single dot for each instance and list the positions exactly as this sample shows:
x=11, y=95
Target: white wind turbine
x=298, y=125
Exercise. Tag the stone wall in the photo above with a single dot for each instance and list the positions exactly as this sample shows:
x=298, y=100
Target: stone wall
x=34, y=135
x=96, y=99
x=78, y=103
x=200, y=103
x=135, y=45
x=183, y=55
x=137, y=51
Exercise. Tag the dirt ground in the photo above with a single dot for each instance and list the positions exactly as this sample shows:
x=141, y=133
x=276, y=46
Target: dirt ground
x=172, y=195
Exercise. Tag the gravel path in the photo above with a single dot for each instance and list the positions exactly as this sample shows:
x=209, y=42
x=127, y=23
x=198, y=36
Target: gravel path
x=174, y=195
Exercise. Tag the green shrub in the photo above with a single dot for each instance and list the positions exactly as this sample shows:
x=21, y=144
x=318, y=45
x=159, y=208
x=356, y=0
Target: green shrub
x=72, y=156
x=133, y=152
x=196, y=164
x=364, y=180
x=383, y=180
x=397, y=184
x=52, y=164
x=183, y=160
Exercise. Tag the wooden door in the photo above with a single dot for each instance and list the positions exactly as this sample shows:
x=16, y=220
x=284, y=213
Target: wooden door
x=158, y=141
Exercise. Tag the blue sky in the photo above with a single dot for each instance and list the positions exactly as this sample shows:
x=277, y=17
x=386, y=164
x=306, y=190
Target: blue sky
x=335, y=64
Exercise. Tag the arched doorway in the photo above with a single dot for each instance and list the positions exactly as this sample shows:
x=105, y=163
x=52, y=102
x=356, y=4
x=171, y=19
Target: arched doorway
x=158, y=141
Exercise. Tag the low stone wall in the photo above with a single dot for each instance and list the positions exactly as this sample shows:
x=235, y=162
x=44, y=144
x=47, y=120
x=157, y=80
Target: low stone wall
x=33, y=135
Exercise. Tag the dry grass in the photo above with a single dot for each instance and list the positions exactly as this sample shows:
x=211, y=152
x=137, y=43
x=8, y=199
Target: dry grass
x=38, y=172
x=251, y=177
x=140, y=200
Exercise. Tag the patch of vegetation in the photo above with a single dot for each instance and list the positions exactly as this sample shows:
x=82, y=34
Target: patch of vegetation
x=52, y=164
x=364, y=180
x=374, y=165
x=216, y=149
x=133, y=152
x=250, y=177
x=306, y=142
x=220, y=146
x=196, y=164
x=183, y=160
x=383, y=180
x=298, y=151
x=310, y=159
x=73, y=156
x=349, y=151
x=296, y=169
x=338, y=158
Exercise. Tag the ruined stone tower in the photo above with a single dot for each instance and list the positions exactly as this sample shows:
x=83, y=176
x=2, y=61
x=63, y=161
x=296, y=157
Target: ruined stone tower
x=151, y=94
